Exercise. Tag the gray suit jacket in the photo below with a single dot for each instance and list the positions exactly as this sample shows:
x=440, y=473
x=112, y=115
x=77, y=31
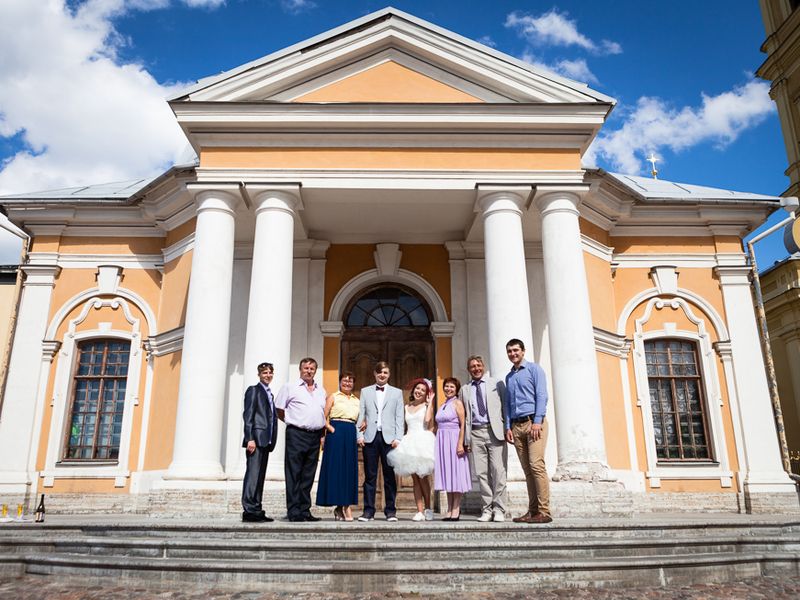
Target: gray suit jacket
x=393, y=417
x=495, y=391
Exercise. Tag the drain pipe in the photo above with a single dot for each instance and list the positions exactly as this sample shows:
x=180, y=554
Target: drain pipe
x=11, y=228
x=789, y=204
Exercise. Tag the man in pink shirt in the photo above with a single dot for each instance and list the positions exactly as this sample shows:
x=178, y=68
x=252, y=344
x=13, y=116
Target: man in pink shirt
x=301, y=405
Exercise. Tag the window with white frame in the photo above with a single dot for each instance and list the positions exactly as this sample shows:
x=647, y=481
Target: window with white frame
x=678, y=407
x=98, y=400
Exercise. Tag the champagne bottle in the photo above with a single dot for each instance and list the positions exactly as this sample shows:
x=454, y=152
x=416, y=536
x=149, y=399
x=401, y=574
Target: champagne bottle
x=39, y=518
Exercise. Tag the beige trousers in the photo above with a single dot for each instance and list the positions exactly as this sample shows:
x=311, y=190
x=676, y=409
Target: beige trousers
x=489, y=459
x=531, y=456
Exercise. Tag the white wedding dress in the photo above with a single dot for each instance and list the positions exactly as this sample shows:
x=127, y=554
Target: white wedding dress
x=414, y=453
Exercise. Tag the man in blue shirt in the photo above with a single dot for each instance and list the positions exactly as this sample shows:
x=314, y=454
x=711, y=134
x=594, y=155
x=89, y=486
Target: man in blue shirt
x=526, y=428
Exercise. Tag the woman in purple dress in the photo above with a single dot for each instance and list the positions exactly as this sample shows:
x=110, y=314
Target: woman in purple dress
x=451, y=471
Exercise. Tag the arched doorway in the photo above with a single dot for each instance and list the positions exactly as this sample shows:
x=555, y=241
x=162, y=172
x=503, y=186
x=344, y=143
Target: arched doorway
x=389, y=322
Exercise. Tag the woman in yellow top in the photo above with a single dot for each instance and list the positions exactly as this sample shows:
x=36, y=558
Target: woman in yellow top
x=338, y=476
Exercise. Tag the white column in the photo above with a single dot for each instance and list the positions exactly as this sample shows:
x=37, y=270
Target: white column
x=576, y=384
x=23, y=404
x=508, y=311
x=201, y=396
x=763, y=469
x=269, y=315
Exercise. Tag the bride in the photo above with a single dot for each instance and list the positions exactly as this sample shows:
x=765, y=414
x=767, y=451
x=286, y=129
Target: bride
x=414, y=454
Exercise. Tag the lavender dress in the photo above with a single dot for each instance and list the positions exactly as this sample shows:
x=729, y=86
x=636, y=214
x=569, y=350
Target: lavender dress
x=451, y=472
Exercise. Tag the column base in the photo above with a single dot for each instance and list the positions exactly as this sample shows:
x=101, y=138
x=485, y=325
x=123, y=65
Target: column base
x=206, y=470
x=583, y=471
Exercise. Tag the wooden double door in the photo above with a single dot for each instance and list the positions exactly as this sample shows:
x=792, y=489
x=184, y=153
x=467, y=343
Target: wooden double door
x=410, y=354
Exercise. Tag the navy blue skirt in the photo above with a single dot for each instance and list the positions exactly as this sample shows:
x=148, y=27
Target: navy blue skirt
x=338, y=476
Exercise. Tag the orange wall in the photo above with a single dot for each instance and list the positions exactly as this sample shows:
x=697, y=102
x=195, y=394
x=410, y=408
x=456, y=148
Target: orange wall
x=390, y=158
x=387, y=82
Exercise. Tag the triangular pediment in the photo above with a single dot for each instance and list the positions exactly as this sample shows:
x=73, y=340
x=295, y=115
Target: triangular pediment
x=387, y=81
x=358, y=61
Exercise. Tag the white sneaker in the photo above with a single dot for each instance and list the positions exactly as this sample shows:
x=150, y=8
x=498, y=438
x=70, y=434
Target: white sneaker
x=499, y=516
x=485, y=517
x=428, y=514
x=418, y=517
x=392, y=519
x=364, y=518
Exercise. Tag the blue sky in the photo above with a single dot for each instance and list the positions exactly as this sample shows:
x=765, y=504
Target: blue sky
x=82, y=82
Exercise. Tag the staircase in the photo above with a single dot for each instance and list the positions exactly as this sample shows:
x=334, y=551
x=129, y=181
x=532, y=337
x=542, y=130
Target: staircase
x=406, y=556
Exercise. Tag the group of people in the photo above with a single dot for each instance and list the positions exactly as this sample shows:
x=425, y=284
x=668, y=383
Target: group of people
x=408, y=437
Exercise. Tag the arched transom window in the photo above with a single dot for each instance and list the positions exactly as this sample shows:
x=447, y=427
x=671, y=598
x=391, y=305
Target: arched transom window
x=388, y=307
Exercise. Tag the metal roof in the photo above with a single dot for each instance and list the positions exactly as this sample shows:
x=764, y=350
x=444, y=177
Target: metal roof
x=645, y=188
x=648, y=188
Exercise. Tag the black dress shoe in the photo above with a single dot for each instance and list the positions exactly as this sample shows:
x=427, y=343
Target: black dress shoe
x=311, y=518
x=255, y=518
x=297, y=519
x=266, y=519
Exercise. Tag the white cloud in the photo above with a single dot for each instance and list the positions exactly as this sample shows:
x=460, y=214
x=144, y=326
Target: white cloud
x=295, y=7
x=556, y=29
x=574, y=69
x=84, y=116
x=487, y=40
x=654, y=125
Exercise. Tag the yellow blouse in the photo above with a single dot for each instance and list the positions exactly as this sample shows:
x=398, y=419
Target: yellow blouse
x=344, y=407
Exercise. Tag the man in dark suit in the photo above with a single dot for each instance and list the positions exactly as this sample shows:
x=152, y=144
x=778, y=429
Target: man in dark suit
x=260, y=435
x=382, y=411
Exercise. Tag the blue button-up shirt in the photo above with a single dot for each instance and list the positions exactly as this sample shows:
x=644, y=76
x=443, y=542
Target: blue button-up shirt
x=526, y=393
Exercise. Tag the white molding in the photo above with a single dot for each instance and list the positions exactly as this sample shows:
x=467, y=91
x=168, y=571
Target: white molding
x=331, y=328
x=62, y=394
x=352, y=43
x=178, y=249
x=389, y=55
x=595, y=248
x=611, y=343
x=93, y=261
x=711, y=391
x=165, y=342
x=442, y=329
x=85, y=295
x=644, y=295
x=642, y=260
x=371, y=277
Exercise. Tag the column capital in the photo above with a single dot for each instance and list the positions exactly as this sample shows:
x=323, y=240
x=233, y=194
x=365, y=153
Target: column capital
x=223, y=197
x=275, y=196
x=733, y=274
x=562, y=198
x=40, y=274
x=498, y=197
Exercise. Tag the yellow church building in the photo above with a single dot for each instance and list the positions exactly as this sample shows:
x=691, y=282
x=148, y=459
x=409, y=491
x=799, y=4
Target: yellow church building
x=388, y=190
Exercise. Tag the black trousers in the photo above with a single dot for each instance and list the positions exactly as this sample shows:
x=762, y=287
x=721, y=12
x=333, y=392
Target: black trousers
x=374, y=452
x=253, y=484
x=299, y=468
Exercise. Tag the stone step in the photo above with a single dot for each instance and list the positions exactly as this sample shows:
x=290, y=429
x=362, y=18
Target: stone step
x=346, y=548
x=420, y=575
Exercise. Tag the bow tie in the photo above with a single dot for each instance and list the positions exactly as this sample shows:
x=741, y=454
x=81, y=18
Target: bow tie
x=379, y=388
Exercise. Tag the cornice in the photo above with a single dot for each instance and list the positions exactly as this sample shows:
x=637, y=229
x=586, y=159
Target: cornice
x=165, y=342
x=611, y=343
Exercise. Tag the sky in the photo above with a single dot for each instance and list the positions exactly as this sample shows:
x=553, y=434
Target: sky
x=83, y=82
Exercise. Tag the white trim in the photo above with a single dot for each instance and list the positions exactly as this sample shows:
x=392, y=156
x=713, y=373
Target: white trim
x=371, y=277
x=641, y=260
x=93, y=261
x=611, y=343
x=85, y=295
x=165, y=342
x=595, y=248
x=713, y=315
x=62, y=393
x=178, y=249
x=390, y=55
x=711, y=391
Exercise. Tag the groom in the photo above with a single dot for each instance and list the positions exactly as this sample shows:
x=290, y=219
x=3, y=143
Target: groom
x=382, y=410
